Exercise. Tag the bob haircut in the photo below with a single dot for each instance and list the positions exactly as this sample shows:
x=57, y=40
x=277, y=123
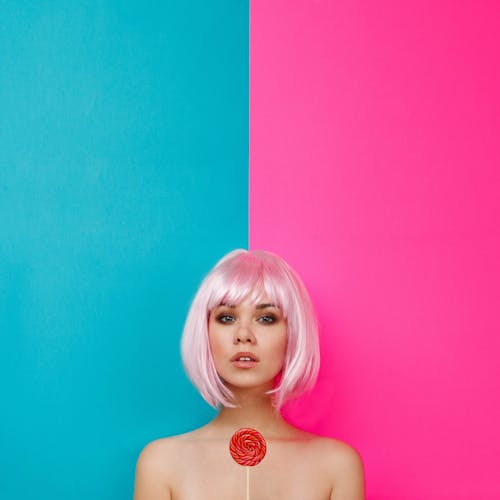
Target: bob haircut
x=239, y=275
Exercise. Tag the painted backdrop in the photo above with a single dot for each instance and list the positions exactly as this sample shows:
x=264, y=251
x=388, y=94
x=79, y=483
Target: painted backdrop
x=123, y=154
x=374, y=162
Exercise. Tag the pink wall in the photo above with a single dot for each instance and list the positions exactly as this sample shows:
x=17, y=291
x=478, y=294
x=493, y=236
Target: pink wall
x=375, y=172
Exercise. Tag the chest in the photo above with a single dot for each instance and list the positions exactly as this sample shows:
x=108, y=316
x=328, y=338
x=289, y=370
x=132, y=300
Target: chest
x=287, y=472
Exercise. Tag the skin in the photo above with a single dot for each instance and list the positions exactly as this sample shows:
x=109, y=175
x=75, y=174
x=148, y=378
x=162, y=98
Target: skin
x=298, y=465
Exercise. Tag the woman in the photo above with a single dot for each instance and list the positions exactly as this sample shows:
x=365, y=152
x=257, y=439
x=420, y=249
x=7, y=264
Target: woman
x=250, y=343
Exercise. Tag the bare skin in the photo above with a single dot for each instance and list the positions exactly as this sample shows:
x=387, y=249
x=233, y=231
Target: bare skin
x=297, y=465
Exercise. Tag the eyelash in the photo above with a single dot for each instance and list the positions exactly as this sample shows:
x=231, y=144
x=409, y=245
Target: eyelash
x=221, y=318
x=269, y=319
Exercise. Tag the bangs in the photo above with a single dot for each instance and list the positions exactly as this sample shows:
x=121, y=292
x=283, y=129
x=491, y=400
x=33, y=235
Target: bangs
x=246, y=278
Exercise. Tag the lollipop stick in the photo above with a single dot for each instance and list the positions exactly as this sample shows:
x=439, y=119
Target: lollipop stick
x=248, y=483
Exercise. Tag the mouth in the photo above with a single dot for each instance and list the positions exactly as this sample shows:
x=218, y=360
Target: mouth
x=244, y=356
x=244, y=360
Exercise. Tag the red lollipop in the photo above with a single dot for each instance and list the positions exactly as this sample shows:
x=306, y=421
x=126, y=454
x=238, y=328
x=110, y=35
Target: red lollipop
x=247, y=447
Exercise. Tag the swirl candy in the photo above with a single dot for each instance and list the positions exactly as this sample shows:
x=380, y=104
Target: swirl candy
x=247, y=447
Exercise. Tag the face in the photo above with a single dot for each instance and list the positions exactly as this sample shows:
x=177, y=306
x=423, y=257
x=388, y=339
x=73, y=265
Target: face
x=248, y=343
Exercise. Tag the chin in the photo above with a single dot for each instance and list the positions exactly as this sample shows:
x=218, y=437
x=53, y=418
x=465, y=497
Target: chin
x=236, y=386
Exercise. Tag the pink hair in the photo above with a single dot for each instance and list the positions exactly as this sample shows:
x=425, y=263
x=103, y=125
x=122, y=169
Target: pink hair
x=245, y=274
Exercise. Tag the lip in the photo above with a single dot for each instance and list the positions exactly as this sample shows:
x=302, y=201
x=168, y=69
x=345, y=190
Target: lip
x=244, y=364
x=250, y=355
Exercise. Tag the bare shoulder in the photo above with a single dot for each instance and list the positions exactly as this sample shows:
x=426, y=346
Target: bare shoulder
x=344, y=465
x=339, y=453
x=156, y=468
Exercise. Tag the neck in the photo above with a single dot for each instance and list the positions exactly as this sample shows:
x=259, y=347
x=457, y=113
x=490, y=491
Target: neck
x=254, y=410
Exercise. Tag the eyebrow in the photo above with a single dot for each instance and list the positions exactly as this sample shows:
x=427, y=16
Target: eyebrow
x=258, y=306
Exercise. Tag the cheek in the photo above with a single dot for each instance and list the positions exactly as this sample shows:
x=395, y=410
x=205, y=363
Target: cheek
x=279, y=348
x=218, y=345
x=279, y=356
x=215, y=343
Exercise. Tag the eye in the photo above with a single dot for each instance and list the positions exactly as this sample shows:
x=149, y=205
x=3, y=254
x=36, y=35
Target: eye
x=224, y=318
x=267, y=319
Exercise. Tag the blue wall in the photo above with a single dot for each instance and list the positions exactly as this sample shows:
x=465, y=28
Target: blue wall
x=123, y=178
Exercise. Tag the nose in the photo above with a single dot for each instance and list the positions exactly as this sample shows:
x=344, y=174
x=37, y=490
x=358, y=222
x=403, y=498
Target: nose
x=244, y=335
